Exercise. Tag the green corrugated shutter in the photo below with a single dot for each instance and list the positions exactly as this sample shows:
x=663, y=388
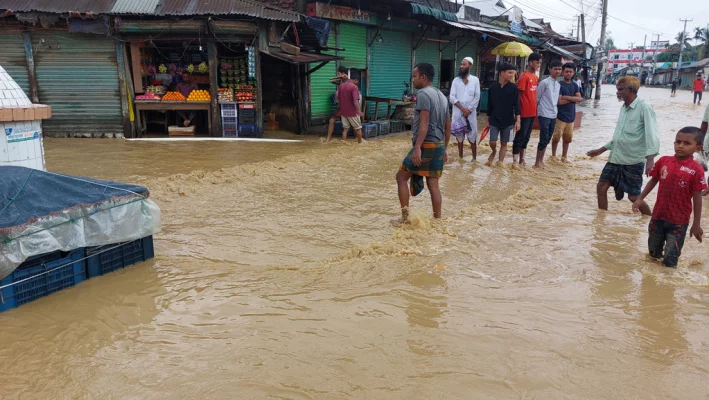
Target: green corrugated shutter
x=353, y=38
x=13, y=59
x=390, y=65
x=321, y=90
x=428, y=52
x=77, y=76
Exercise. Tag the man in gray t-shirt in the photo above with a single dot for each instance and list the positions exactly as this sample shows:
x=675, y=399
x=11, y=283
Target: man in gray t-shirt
x=431, y=134
x=432, y=100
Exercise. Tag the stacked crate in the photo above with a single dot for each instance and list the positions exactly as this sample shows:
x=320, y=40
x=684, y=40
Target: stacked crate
x=229, y=120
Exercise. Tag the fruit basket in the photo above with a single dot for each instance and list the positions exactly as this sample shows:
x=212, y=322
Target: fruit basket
x=199, y=96
x=147, y=97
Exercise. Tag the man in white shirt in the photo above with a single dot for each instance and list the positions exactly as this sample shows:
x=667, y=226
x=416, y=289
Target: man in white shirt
x=465, y=96
x=547, y=100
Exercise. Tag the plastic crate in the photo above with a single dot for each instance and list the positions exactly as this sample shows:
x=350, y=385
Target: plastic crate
x=34, y=282
x=229, y=120
x=338, y=128
x=104, y=259
x=230, y=130
x=383, y=127
x=321, y=28
x=248, y=130
x=395, y=126
x=229, y=110
x=247, y=116
x=369, y=131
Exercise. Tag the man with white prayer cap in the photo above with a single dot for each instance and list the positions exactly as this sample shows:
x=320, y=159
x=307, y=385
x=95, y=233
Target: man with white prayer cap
x=465, y=96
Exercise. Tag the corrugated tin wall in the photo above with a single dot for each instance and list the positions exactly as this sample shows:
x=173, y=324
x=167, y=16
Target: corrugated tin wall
x=448, y=52
x=470, y=50
x=353, y=38
x=428, y=52
x=12, y=58
x=78, y=77
x=389, y=66
x=321, y=90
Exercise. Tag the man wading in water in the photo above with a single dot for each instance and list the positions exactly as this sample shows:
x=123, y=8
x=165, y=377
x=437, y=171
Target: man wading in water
x=465, y=96
x=431, y=133
x=634, y=143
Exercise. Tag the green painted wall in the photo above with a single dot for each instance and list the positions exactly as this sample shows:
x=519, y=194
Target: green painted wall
x=428, y=52
x=321, y=90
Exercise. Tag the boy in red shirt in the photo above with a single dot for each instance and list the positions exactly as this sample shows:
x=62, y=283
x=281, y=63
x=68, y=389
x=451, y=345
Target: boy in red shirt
x=527, y=84
x=681, y=184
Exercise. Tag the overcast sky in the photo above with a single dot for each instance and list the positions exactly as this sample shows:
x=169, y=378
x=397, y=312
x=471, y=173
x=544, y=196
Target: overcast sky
x=628, y=20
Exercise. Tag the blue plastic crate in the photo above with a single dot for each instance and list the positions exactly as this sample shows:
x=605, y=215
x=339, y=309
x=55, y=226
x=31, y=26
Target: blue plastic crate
x=383, y=127
x=34, y=282
x=395, y=126
x=369, y=130
x=248, y=130
x=104, y=259
x=228, y=110
x=338, y=128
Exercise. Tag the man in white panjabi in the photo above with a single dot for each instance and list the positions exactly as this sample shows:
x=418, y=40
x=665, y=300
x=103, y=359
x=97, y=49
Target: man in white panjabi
x=465, y=96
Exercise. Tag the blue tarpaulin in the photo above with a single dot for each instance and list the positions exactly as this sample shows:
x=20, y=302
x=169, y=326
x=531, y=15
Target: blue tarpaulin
x=42, y=212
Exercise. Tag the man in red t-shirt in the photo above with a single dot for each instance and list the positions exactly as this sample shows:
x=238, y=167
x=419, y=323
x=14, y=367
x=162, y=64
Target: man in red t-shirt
x=527, y=85
x=348, y=95
x=698, y=89
x=681, y=184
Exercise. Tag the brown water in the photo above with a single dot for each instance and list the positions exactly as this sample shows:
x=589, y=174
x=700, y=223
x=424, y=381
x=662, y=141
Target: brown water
x=278, y=276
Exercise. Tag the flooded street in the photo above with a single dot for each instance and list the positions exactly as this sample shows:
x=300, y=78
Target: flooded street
x=278, y=275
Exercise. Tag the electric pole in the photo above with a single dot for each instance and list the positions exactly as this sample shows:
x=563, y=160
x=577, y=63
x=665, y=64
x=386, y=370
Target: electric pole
x=583, y=35
x=681, y=44
x=599, y=73
x=642, y=59
x=654, y=55
x=578, y=21
x=632, y=54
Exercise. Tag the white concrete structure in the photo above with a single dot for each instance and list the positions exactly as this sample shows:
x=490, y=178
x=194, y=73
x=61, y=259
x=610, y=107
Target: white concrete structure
x=20, y=126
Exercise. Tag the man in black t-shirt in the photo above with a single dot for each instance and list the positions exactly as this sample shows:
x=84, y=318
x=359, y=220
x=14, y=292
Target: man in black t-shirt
x=569, y=95
x=503, y=110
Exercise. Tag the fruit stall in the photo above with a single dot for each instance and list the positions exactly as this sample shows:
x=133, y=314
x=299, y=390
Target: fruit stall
x=160, y=107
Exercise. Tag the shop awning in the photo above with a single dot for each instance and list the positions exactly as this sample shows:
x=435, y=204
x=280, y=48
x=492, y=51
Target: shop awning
x=432, y=12
x=560, y=51
x=303, y=58
x=486, y=29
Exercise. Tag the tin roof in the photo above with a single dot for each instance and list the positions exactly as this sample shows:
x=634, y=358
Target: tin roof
x=225, y=7
x=135, y=7
x=59, y=6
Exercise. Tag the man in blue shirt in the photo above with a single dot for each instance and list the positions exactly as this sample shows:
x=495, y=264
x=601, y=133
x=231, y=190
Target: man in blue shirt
x=547, y=100
x=569, y=95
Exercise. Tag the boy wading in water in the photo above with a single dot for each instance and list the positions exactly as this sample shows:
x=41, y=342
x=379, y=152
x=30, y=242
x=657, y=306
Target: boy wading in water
x=570, y=94
x=431, y=133
x=681, y=182
x=547, y=100
x=503, y=110
x=527, y=85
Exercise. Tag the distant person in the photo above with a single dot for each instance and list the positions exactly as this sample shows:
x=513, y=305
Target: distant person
x=570, y=94
x=186, y=87
x=633, y=148
x=465, y=96
x=503, y=110
x=547, y=100
x=579, y=83
x=527, y=86
x=349, y=100
x=681, y=182
x=698, y=89
x=341, y=74
x=675, y=83
x=431, y=129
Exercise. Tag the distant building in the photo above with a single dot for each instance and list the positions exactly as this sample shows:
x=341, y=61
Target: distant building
x=625, y=58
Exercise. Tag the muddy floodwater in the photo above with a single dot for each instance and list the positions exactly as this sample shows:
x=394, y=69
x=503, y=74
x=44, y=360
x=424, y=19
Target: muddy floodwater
x=278, y=276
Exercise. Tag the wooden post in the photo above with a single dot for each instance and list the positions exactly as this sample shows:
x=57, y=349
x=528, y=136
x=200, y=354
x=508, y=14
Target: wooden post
x=299, y=109
x=125, y=112
x=31, y=73
x=135, y=65
x=215, y=114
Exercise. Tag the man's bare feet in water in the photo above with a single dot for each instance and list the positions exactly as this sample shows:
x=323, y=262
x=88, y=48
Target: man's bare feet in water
x=404, y=220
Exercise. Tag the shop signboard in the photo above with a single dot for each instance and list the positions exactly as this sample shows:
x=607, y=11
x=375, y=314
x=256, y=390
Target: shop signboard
x=329, y=11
